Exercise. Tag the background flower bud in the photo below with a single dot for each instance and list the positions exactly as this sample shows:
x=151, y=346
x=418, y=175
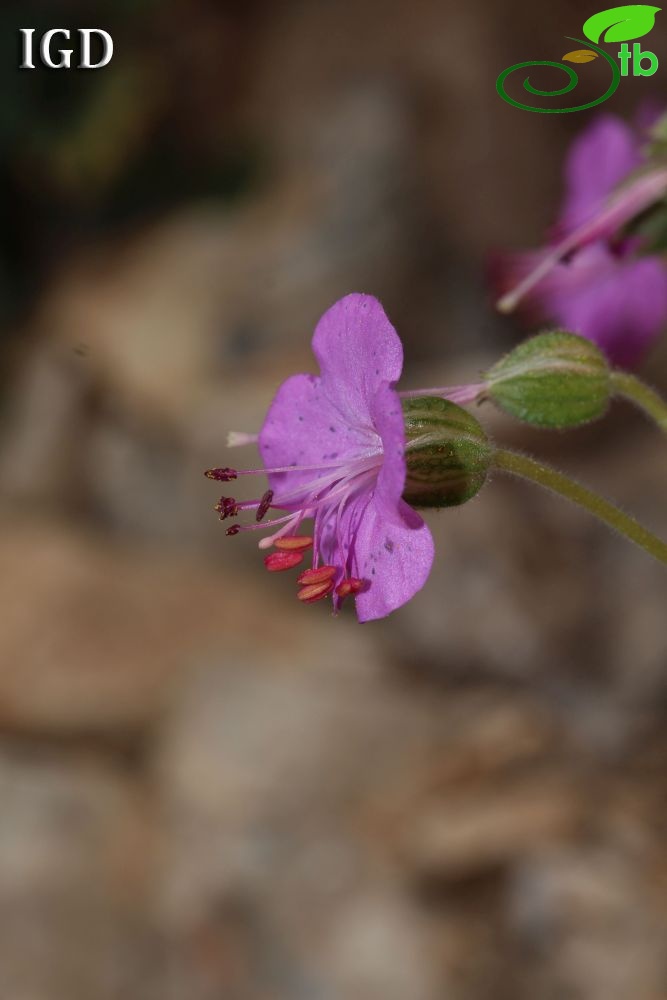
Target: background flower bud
x=555, y=379
x=448, y=453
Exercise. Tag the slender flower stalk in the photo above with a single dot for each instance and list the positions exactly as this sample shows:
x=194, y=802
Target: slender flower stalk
x=641, y=395
x=459, y=394
x=554, y=379
x=537, y=472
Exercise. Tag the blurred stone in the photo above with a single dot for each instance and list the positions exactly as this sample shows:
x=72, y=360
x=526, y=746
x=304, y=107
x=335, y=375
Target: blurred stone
x=592, y=926
x=481, y=831
x=290, y=796
x=43, y=428
x=95, y=635
x=267, y=827
x=73, y=876
x=378, y=949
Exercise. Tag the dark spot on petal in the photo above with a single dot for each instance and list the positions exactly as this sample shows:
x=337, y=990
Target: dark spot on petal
x=332, y=429
x=389, y=545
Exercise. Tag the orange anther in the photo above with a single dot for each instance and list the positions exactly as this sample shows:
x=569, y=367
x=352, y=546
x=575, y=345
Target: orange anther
x=321, y=575
x=315, y=592
x=294, y=543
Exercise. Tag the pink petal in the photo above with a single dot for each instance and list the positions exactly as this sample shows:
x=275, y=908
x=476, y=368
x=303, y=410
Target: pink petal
x=599, y=159
x=304, y=427
x=621, y=305
x=388, y=545
x=393, y=556
x=387, y=417
x=357, y=349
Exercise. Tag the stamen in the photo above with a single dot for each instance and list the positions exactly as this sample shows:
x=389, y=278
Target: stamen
x=264, y=505
x=276, y=562
x=344, y=487
x=288, y=520
x=321, y=575
x=221, y=475
x=317, y=537
x=372, y=455
x=315, y=592
x=350, y=586
x=296, y=543
x=345, y=475
x=289, y=525
x=332, y=486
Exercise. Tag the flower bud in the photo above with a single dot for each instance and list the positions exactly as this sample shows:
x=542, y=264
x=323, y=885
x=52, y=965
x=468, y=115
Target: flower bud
x=555, y=379
x=447, y=453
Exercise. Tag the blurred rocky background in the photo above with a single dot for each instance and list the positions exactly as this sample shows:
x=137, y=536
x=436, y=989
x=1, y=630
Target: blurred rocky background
x=209, y=792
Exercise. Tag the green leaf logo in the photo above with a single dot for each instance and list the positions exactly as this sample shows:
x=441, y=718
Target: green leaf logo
x=621, y=24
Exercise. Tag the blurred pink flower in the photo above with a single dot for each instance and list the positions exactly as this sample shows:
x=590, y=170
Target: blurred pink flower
x=589, y=279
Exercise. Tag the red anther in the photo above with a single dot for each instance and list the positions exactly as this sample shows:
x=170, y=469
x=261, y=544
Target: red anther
x=315, y=592
x=278, y=561
x=226, y=507
x=234, y=530
x=349, y=586
x=221, y=475
x=294, y=543
x=321, y=575
x=264, y=505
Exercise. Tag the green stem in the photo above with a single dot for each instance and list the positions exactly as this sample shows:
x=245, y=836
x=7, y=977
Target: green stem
x=647, y=399
x=550, y=479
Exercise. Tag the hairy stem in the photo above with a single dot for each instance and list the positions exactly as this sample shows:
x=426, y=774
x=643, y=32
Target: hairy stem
x=641, y=395
x=521, y=465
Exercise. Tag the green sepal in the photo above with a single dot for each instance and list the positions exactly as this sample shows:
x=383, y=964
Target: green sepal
x=448, y=453
x=554, y=379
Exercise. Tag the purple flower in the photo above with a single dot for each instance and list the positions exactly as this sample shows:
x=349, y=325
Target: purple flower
x=589, y=279
x=334, y=450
